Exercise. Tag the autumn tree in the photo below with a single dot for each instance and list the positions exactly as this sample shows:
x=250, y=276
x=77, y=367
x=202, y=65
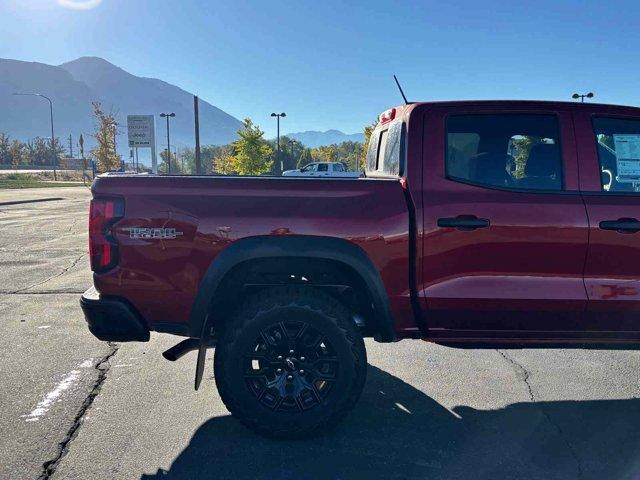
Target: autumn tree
x=104, y=152
x=17, y=153
x=252, y=153
x=305, y=158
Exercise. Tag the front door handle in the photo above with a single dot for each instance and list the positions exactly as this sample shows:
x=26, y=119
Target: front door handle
x=622, y=225
x=463, y=222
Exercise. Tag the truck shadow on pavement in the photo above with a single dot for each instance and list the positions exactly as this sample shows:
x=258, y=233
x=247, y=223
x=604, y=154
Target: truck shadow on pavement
x=398, y=432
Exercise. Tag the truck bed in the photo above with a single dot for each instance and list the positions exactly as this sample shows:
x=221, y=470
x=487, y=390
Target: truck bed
x=211, y=213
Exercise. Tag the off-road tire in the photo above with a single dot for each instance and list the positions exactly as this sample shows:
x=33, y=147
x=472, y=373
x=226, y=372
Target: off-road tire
x=322, y=313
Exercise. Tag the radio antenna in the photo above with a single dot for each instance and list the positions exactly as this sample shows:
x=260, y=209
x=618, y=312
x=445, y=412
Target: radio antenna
x=406, y=102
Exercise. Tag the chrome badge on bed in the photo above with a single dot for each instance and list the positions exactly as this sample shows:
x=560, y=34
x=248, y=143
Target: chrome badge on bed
x=159, y=233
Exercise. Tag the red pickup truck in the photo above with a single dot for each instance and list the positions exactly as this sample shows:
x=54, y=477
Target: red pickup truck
x=484, y=223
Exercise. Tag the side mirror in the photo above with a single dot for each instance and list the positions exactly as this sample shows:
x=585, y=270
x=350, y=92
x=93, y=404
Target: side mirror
x=300, y=170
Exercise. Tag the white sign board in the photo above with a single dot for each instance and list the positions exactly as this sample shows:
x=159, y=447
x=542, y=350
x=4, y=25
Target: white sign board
x=628, y=158
x=141, y=131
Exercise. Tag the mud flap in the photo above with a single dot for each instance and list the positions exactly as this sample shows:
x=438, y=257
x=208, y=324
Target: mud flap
x=202, y=353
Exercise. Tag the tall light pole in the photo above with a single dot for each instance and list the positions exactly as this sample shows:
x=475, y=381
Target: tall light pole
x=576, y=96
x=167, y=115
x=292, y=142
x=278, y=161
x=53, y=142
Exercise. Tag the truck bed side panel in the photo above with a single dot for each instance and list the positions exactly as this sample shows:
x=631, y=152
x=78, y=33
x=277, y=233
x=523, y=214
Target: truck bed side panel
x=161, y=276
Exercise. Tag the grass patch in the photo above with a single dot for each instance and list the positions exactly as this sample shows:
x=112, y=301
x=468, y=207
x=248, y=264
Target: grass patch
x=16, y=180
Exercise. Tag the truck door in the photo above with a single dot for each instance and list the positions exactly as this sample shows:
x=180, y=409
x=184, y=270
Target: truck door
x=505, y=229
x=609, y=153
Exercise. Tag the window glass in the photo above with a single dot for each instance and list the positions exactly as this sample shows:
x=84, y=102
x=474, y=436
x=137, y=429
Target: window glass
x=372, y=152
x=385, y=152
x=382, y=145
x=323, y=167
x=338, y=167
x=508, y=150
x=310, y=168
x=618, y=144
x=392, y=151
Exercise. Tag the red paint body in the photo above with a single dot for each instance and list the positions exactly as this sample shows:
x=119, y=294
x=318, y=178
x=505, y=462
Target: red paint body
x=543, y=271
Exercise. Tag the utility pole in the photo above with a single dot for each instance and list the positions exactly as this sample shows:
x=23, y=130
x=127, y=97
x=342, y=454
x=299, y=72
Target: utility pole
x=70, y=147
x=197, y=127
x=167, y=116
x=278, y=161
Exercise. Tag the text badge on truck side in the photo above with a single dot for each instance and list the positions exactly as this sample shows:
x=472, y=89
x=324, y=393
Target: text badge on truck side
x=487, y=223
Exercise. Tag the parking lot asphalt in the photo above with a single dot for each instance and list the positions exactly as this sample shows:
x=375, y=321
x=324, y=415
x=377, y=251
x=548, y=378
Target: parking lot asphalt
x=74, y=407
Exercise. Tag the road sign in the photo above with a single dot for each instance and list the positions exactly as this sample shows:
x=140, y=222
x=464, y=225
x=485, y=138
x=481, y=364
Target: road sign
x=141, y=131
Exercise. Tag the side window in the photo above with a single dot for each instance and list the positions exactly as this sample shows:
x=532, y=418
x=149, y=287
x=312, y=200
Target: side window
x=309, y=168
x=323, y=167
x=618, y=144
x=337, y=167
x=505, y=150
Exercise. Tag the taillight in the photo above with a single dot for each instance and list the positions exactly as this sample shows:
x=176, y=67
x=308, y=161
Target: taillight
x=103, y=248
x=387, y=116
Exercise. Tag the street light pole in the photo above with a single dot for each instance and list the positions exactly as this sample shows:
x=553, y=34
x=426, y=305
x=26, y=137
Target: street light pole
x=167, y=115
x=53, y=144
x=575, y=96
x=278, y=161
x=291, y=144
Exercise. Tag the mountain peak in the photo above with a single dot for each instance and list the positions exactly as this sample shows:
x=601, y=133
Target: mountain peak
x=314, y=138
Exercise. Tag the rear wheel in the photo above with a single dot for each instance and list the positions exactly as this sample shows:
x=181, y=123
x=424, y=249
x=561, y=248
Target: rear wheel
x=291, y=362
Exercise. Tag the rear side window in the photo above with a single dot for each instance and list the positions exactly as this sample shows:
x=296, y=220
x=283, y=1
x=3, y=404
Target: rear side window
x=385, y=151
x=505, y=150
x=618, y=144
x=323, y=167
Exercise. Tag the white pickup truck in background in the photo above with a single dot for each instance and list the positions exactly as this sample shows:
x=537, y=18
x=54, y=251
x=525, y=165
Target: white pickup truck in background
x=322, y=169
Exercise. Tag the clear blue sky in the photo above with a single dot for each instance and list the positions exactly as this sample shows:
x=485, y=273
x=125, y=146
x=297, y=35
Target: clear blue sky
x=329, y=64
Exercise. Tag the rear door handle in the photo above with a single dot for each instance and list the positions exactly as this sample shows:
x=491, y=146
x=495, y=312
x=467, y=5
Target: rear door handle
x=624, y=225
x=463, y=222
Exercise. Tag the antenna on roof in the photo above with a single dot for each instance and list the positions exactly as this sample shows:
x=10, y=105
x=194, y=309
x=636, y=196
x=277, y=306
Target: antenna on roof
x=406, y=102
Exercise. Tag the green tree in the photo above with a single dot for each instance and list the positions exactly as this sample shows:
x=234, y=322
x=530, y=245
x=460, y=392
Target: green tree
x=105, y=153
x=164, y=164
x=5, y=146
x=252, y=153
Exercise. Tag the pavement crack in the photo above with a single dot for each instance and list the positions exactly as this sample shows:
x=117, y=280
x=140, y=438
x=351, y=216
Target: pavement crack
x=103, y=366
x=59, y=274
x=42, y=292
x=524, y=375
x=521, y=372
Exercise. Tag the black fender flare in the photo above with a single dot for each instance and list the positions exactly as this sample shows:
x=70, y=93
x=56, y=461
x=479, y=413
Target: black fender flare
x=291, y=246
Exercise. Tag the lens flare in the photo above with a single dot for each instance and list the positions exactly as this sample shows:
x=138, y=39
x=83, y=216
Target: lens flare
x=79, y=4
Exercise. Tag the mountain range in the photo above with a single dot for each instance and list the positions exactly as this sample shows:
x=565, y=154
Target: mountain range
x=74, y=85
x=312, y=138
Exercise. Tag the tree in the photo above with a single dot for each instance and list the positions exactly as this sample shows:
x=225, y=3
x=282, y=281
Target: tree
x=252, y=153
x=305, y=158
x=5, y=145
x=164, y=165
x=223, y=164
x=105, y=153
x=17, y=153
